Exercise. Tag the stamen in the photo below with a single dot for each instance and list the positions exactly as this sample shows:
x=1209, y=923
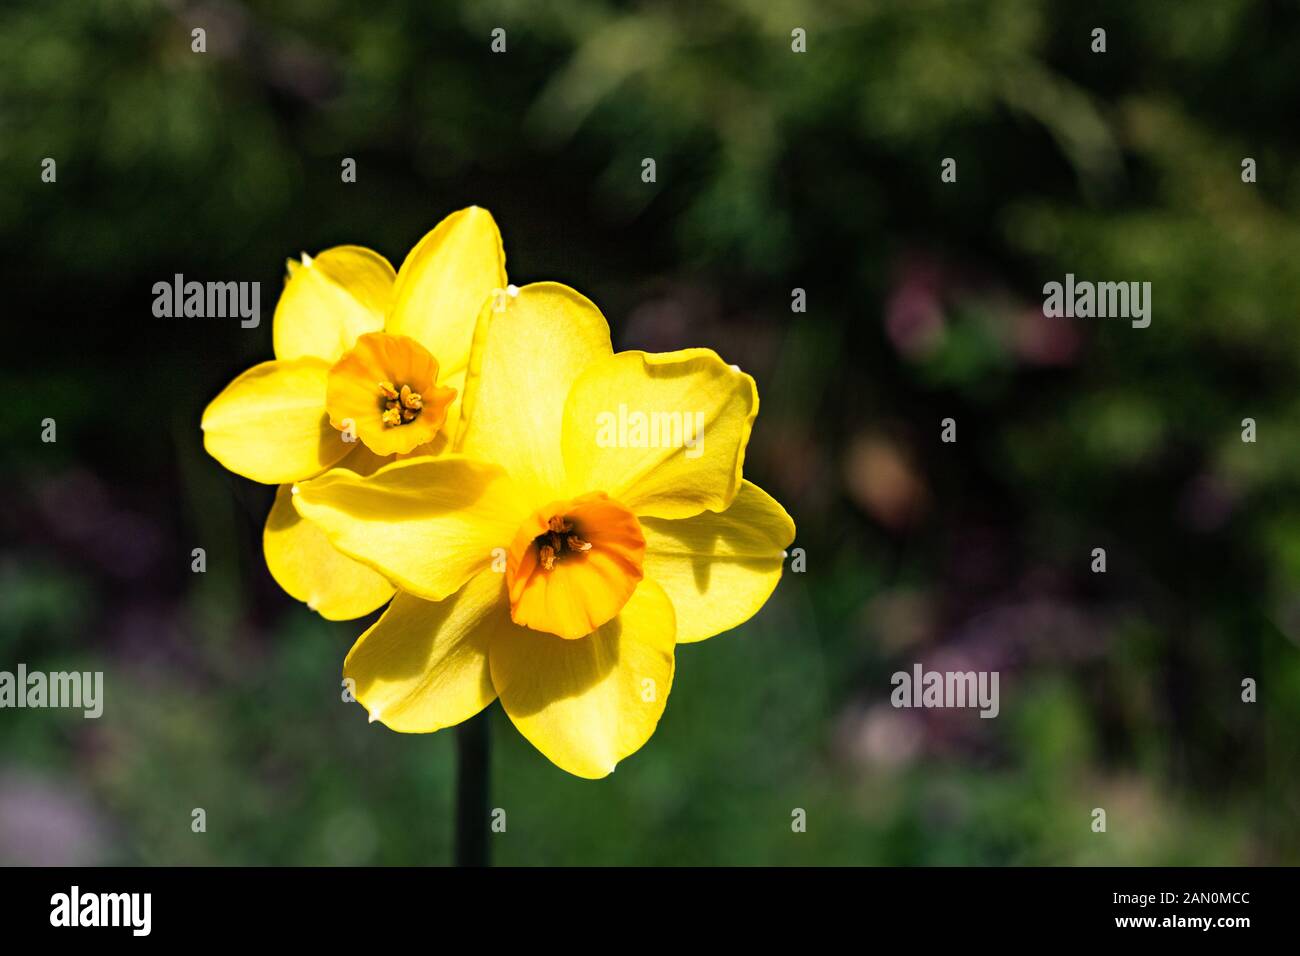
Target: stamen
x=558, y=540
x=401, y=406
x=547, y=554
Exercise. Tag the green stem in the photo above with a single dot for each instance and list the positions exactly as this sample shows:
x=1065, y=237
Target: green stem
x=473, y=765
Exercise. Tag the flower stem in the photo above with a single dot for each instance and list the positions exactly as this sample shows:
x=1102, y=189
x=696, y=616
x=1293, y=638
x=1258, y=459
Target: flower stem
x=473, y=764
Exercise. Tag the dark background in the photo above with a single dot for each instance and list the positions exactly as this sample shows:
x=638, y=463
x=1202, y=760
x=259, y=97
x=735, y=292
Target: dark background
x=776, y=170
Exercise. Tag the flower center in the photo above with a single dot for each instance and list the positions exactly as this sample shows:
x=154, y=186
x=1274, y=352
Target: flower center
x=401, y=406
x=574, y=564
x=365, y=402
x=558, y=540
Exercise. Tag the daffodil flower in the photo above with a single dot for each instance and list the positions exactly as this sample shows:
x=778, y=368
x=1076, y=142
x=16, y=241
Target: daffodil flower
x=369, y=365
x=551, y=562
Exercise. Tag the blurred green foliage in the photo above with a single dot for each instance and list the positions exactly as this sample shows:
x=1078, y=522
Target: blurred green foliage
x=775, y=170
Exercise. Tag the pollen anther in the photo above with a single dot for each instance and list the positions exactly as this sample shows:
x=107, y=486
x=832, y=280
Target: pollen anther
x=410, y=399
x=401, y=406
x=558, y=540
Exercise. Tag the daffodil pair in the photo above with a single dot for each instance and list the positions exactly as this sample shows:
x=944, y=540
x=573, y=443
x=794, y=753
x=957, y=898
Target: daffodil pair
x=540, y=555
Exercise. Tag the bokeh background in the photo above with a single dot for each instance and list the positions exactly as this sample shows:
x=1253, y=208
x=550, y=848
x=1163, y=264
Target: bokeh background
x=775, y=171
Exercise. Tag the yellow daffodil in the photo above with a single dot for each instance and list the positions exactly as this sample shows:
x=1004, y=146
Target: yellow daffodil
x=369, y=364
x=593, y=517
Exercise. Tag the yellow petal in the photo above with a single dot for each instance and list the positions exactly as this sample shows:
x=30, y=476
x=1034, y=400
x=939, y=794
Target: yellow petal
x=424, y=664
x=663, y=433
x=444, y=282
x=719, y=568
x=587, y=704
x=364, y=461
x=329, y=300
x=525, y=359
x=455, y=382
x=309, y=568
x=270, y=423
x=426, y=524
